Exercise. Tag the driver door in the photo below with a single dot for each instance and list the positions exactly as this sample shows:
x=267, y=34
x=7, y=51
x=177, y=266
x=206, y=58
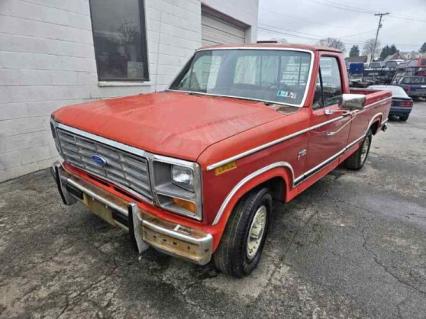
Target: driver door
x=331, y=136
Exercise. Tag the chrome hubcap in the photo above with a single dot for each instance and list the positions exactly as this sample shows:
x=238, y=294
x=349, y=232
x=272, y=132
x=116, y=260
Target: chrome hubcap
x=364, y=149
x=256, y=232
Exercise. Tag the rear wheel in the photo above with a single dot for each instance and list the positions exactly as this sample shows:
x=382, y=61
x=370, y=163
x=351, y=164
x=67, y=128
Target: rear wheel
x=357, y=160
x=242, y=243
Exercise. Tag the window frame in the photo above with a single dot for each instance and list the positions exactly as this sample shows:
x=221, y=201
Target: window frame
x=188, y=65
x=320, y=76
x=144, y=49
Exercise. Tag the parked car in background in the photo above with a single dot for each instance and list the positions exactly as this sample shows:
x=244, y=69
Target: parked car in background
x=376, y=65
x=193, y=171
x=415, y=86
x=401, y=105
x=393, y=64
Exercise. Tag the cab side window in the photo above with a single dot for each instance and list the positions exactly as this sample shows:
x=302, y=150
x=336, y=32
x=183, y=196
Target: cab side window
x=328, y=89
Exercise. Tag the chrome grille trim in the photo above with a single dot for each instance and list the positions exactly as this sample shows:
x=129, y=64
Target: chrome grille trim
x=125, y=168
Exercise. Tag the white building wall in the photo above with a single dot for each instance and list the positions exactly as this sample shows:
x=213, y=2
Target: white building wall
x=243, y=10
x=47, y=60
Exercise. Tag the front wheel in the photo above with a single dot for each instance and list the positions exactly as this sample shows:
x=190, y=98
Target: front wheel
x=242, y=243
x=357, y=160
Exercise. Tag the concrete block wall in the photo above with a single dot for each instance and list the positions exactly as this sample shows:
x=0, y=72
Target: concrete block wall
x=47, y=60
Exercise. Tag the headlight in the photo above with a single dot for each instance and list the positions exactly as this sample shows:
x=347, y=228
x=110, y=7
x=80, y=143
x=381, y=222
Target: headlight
x=177, y=186
x=183, y=177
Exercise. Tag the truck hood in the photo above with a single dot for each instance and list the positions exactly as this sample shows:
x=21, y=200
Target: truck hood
x=174, y=124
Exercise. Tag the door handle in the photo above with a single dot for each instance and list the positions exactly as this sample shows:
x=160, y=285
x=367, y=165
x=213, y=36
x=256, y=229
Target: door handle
x=331, y=112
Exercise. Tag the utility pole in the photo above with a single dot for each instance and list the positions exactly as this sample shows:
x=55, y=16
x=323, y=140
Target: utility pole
x=380, y=15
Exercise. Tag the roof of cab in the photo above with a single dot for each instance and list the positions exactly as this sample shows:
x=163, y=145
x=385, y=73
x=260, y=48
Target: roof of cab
x=271, y=46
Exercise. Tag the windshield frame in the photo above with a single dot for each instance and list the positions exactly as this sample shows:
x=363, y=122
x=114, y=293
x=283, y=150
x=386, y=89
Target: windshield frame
x=308, y=84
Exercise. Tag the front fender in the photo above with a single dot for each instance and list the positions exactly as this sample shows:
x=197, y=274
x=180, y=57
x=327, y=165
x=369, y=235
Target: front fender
x=281, y=170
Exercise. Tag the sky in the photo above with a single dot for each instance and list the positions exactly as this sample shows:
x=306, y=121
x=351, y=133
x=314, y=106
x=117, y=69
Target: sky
x=353, y=22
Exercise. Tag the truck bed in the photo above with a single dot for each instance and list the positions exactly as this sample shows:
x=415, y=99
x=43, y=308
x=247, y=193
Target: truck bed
x=372, y=96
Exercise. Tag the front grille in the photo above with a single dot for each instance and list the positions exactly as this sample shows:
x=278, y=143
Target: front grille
x=121, y=167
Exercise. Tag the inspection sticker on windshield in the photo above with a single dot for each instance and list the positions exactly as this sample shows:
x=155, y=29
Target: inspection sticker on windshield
x=282, y=93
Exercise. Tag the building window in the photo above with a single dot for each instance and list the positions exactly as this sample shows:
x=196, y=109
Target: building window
x=119, y=37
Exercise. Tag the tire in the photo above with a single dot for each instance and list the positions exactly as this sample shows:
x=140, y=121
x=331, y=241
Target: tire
x=238, y=255
x=403, y=118
x=357, y=160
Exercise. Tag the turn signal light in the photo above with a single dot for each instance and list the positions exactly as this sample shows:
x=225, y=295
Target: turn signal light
x=185, y=204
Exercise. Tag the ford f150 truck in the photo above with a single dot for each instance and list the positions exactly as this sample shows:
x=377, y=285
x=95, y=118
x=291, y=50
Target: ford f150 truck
x=192, y=171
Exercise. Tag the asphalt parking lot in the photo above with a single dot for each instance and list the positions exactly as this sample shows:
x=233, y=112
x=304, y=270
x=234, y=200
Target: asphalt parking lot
x=352, y=246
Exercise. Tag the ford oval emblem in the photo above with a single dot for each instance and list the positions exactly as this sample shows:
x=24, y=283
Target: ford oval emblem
x=99, y=160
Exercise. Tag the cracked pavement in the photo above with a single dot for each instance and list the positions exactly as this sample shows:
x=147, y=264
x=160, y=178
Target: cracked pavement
x=351, y=246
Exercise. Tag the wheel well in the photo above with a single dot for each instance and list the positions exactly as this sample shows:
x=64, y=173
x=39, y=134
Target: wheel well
x=375, y=127
x=276, y=186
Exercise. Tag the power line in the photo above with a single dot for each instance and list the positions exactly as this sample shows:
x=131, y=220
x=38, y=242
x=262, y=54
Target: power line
x=344, y=6
x=310, y=35
x=301, y=35
x=315, y=37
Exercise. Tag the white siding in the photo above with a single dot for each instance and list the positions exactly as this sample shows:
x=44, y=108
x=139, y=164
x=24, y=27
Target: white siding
x=47, y=60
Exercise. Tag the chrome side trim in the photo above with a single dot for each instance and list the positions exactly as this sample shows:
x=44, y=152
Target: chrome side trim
x=367, y=107
x=287, y=137
x=340, y=128
x=309, y=173
x=245, y=180
x=272, y=143
x=313, y=170
x=373, y=120
x=302, y=103
x=378, y=102
x=297, y=180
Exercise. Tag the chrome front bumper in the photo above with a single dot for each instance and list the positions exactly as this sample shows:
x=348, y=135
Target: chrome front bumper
x=147, y=230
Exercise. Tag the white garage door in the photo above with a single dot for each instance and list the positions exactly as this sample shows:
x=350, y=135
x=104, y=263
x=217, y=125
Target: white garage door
x=215, y=30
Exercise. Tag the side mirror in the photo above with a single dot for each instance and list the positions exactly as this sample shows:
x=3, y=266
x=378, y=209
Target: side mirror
x=353, y=101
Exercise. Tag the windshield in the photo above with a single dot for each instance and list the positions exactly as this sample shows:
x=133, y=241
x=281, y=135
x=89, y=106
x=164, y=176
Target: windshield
x=277, y=76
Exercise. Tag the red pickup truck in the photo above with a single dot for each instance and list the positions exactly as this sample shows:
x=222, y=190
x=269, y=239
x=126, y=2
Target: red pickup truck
x=193, y=171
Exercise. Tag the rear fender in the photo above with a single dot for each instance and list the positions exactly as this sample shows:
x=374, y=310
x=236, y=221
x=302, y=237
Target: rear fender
x=375, y=123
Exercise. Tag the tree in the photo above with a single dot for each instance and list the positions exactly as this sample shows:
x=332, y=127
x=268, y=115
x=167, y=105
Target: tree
x=332, y=43
x=388, y=50
x=354, y=51
x=423, y=48
x=369, y=48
